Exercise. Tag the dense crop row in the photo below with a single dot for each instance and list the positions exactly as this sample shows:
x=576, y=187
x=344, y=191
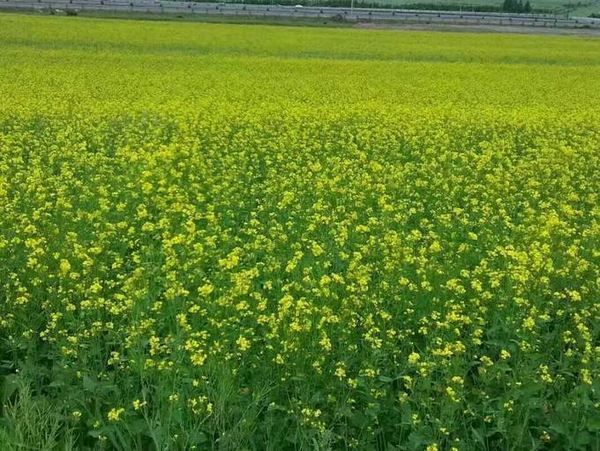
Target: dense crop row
x=210, y=239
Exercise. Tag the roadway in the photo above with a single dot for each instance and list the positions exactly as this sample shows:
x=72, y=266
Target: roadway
x=351, y=14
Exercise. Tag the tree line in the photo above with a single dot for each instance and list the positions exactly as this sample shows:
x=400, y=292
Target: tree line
x=516, y=6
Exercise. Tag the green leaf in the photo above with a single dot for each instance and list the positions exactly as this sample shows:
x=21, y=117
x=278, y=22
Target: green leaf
x=582, y=440
x=137, y=426
x=198, y=437
x=593, y=424
x=10, y=385
x=89, y=384
x=479, y=437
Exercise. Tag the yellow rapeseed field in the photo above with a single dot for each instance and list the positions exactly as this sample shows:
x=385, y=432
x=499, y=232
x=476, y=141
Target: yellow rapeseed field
x=244, y=237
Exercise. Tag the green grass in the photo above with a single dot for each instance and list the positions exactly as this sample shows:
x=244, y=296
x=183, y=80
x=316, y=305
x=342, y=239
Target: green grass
x=218, y=236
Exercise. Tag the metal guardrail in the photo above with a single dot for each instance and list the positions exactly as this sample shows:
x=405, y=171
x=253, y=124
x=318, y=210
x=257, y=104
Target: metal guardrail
x=353, y=14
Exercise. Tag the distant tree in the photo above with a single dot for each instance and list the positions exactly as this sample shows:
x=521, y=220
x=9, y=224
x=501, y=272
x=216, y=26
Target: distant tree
x=516, y=6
